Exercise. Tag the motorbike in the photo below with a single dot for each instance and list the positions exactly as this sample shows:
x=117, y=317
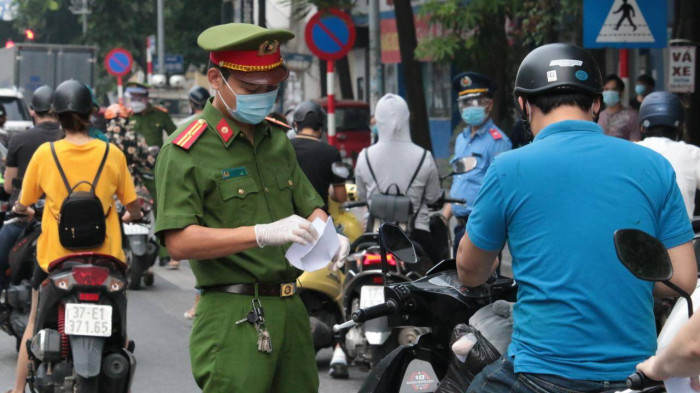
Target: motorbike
x=647, y=259
x=15, y=298
x=436, y=303
x=140, y=244
x=368, y=343
x=79, y=342
x=320, y=290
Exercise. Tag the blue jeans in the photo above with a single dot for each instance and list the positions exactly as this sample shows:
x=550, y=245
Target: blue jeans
x=500, y=377
x=459, y=231
x=8, y=237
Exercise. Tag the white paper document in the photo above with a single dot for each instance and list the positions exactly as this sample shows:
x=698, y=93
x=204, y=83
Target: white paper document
x=316, y=255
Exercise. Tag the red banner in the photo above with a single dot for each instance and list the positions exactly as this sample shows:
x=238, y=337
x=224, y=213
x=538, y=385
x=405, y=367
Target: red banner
x=390, y=37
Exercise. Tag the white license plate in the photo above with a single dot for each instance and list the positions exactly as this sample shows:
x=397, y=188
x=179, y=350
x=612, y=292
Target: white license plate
x=135, y=229
x=88, y=320
x=371, y=296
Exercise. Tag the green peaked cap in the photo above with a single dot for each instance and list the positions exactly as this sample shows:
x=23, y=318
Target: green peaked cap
x=239, y=36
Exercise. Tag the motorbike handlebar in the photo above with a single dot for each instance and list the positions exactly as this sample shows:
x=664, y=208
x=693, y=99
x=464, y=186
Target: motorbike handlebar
x=639, y=381
x=350, y=205
x=376, y=311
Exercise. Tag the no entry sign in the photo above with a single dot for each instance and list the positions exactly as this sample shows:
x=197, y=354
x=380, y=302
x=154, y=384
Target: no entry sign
x=330, y=34
x=118, y=62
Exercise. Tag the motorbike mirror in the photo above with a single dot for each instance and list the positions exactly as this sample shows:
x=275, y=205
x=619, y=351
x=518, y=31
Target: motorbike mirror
x=396, y=242
x=463, y=165
x=153, y=150
x=643, y=255
x=342, y=169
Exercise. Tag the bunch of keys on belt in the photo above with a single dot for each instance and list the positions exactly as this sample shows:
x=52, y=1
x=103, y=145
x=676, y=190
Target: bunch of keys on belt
x=256, y=317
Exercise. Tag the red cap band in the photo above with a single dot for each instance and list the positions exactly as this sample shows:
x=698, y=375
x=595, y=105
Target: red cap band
x=267, y=58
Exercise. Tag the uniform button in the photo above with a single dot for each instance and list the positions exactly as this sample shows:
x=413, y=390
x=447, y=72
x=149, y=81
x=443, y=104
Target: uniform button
x=266, y=190
x=201, y=121
x=241, y=191
x=291, y=183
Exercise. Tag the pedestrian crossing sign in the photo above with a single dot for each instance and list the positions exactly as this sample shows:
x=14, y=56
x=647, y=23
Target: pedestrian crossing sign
x=624, y=23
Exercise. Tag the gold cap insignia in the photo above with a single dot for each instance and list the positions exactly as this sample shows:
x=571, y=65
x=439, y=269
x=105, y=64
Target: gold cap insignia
x=268, y=47
x=466, y=81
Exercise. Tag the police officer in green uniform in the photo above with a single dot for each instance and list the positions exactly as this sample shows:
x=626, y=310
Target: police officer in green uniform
x=149, y=121
x=232, y=198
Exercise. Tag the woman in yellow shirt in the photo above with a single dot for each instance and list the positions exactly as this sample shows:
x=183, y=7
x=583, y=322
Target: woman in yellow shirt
x=80, y=158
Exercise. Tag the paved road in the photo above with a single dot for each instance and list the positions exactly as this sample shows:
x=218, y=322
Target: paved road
x=161, y=334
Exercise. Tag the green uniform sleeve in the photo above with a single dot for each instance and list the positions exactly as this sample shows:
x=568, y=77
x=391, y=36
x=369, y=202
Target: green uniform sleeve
x=168, y=124
x=305, y=197
x=179, y=202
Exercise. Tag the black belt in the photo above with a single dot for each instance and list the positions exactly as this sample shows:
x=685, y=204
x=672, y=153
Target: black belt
x=285, y=289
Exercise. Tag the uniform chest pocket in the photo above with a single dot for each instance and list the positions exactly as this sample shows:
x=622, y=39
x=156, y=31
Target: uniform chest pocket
x=239, y=188
x=284, y=180
x=240, y=202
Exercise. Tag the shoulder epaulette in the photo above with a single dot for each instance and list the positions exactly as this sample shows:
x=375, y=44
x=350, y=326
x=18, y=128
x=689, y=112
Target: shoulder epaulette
x=161, y=108
x=495, y=134
x=278, y=123
x=190, y=134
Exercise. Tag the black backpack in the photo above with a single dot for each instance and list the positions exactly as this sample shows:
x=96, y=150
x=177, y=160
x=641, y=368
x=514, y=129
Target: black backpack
x=82, y=221
x=393, y=207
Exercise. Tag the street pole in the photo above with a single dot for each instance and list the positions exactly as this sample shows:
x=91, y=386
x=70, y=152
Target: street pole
x=261, y=13
x=85, y=9
x=623, y=72
x=376, y=81
x=330, y=82
x=149, y=61
x=161, y=38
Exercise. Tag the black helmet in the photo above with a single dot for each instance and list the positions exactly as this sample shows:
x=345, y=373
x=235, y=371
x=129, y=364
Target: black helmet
x=557, y=67
x=309, y=113
x=72, y=96
x=42, y=98
x=661, y=109
x=198, y=96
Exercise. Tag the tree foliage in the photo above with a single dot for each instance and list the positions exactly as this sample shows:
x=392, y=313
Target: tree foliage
x=492, y=36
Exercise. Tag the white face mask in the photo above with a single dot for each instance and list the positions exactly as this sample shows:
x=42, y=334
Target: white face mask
x=137, y=106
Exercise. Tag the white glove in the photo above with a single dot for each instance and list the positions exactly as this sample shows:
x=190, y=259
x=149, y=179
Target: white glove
x=291, y=229
x=339, y=259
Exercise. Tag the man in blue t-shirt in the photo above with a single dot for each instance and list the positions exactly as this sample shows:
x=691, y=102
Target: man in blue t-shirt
x=582, y=321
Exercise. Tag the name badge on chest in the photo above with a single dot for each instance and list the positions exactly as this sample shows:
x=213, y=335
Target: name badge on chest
x=231, y=173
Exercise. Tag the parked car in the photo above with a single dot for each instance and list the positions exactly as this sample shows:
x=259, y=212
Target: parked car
x=351, y=125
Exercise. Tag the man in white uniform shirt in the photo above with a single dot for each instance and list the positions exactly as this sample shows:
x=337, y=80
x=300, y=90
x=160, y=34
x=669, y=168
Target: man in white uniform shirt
x=661, y=119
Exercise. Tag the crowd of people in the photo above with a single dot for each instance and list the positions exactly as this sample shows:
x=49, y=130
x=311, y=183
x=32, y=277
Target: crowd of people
x=232, y=192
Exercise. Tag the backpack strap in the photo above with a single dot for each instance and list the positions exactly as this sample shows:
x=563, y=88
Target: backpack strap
x=371, y=171
x=420, y=165
x=102, y=165
x=60, y=169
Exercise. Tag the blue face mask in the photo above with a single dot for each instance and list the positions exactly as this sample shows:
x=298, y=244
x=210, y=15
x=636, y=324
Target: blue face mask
x=611, y=97
x=474, y=115
x=374, y=129
x=640, y=89
x=250, y=108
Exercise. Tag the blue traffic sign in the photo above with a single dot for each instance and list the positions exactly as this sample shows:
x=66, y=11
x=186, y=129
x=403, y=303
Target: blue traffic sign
x=330, y=34
x=624, y=24
x=174, y=64
x=118, y=62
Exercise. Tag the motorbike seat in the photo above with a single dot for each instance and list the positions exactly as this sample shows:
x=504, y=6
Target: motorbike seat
x=88, y=258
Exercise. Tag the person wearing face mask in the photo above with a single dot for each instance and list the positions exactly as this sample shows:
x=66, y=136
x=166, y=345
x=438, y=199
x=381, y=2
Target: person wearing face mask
x=481, y=138
x=644, y=86
x=152, y=123
x=232, y=199
x=558, y=201
x=617, y=120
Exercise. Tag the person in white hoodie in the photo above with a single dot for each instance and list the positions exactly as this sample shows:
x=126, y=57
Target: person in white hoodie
x=395, y=160
x=661, y=120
